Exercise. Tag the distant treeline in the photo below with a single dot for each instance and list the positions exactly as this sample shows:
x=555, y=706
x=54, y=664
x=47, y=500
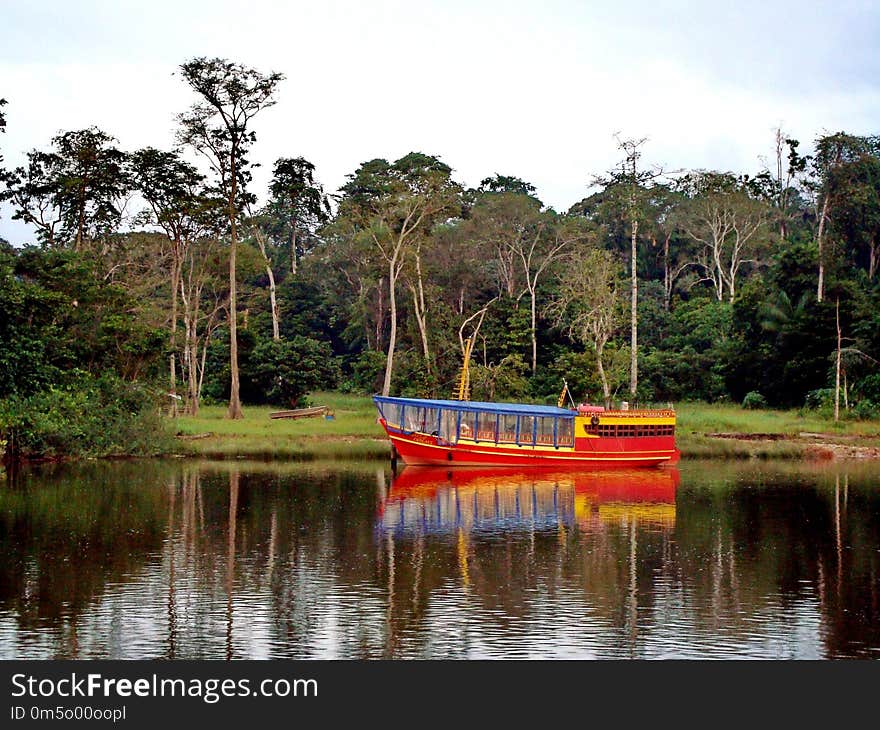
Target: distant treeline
x=758, y=286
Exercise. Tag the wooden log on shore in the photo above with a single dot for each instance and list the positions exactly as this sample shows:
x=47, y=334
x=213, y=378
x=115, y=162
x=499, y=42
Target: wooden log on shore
x=301, y=412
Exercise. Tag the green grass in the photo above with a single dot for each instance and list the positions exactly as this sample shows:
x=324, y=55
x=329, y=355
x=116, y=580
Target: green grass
x=354, y=434
x=728, y=418
x=696, y=420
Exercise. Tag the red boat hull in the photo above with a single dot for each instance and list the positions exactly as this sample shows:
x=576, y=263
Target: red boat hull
x=415, y=448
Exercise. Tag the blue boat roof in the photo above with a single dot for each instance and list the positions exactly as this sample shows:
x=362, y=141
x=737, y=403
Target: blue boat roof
x=473, y=405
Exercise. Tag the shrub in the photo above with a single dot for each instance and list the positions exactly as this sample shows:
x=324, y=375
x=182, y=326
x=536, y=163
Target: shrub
x=865, y=410
x=87, y=416
x=282, y=372
x=366, y=373
x=819, y=399
x=754, y=401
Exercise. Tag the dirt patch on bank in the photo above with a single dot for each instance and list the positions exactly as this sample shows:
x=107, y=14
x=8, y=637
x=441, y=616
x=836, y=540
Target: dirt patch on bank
x=820, y=446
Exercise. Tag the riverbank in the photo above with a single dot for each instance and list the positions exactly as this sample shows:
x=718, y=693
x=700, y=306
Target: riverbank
x=351, y=433
x=704, y=431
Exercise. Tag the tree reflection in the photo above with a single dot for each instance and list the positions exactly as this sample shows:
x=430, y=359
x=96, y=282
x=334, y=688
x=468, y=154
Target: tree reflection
x=230, y=560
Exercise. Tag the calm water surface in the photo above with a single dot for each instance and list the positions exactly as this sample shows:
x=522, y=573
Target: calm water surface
x=200, y=560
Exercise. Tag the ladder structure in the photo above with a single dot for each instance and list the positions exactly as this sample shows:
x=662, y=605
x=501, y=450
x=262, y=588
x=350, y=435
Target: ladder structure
x=463, y=391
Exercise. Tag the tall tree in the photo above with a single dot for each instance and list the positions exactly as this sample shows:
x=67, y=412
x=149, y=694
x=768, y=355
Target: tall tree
x=536, y=252
x=855, y=186
x=74, y=194
x=177, y=204
x=506, y=184
x=779, y=181
x=392, y=205
x=831, y=151
x=664, y=228
x=589, y=303
x=628, y=185
x=298, y=204
x=730, y=228
x=31, y=190
x=258, y=223
x=503, y=223
x=218, y=126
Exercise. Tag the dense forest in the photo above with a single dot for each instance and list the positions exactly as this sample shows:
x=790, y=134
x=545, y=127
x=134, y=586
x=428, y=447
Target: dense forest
x=165, y=279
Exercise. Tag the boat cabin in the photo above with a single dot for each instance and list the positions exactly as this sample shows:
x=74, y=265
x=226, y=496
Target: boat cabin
x=473, y=421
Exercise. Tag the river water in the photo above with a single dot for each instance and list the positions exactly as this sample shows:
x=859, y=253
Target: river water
x=182, y=559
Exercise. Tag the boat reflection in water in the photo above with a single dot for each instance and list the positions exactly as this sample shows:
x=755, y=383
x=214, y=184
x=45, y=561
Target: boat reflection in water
x=432, y=500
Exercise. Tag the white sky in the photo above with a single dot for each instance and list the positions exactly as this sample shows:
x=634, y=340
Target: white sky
x=530, y=89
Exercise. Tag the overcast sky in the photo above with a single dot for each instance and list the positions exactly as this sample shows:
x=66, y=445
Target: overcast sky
x=534, y=89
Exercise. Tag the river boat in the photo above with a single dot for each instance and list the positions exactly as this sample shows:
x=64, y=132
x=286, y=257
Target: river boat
x=472, y=433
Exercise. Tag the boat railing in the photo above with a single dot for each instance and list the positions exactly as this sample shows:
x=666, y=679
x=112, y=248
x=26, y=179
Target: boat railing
x=641, y=413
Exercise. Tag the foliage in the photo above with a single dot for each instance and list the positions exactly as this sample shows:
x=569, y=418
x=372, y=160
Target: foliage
x=504, y=381
x=72, y=195
x=754, y=401
x=87, y=416
x=366, y=373
x=283, y=371
x=379, y=291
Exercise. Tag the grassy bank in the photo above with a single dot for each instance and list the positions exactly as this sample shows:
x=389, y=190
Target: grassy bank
x=354, y=434
x=767, y=433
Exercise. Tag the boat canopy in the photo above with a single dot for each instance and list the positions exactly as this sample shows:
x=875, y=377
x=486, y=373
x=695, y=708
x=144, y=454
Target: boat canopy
x=483, y=407
x=452, y=420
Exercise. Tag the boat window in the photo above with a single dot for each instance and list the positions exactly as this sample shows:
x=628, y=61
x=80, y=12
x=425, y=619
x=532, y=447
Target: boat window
x=448, y=423
x=413, y=418
x=565, y=432
x=507, y=428
x=545, y=430
x=468, y=427
x=429, y=421
x=526, y=430
x=486, y=426
x=391, y=411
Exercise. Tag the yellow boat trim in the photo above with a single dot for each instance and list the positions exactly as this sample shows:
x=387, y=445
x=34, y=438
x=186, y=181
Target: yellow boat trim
x=619, y=420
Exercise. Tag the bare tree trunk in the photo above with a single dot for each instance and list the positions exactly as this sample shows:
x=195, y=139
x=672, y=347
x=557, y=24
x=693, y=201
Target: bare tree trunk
x=276, y=326
x=80, y=224
x=195, y=385
x=172, y=357
x=194, y=382
x=820, y=290
x=606, y=390
x=392, y=338
x=261, y=242
x=380, y=312
x=419, y=310
x=234, y=410
x=634, y=319
x=872, y=259
x=293, y=262
x=667, y=276
x=532, y=293
x=190, y=322
x=837, y=367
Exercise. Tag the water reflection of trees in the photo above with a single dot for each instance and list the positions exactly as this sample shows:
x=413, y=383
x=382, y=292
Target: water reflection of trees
x=313, y=560
x=790, y=540
x=66, y=533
